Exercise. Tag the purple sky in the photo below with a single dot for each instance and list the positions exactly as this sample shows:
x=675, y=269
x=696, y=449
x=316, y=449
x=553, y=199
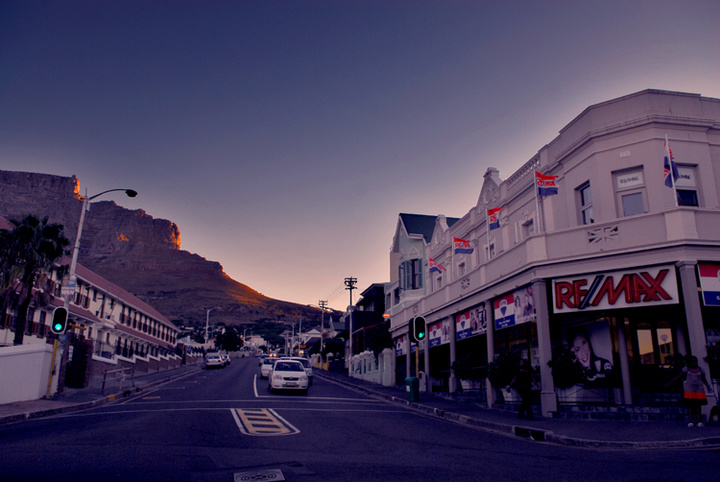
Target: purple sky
x=284, y=137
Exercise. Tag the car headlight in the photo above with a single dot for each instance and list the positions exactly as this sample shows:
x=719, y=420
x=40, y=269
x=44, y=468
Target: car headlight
x=303, y=377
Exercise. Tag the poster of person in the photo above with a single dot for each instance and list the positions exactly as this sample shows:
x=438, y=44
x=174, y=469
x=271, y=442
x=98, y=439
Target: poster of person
x=471, y=322
x=592, y=347
x=515, y=308
x=439, y=333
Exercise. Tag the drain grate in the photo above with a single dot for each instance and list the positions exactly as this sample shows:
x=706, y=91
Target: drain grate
x=272, y=474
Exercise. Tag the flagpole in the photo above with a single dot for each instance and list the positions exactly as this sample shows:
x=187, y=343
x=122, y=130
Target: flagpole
x=487, y=234
x=537, y=202
x=670, y=166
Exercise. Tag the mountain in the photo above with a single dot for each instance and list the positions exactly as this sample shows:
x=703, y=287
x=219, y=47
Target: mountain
x=142, y=255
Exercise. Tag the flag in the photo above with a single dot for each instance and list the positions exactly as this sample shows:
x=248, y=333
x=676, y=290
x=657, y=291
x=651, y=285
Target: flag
x=493, y=218
x=462, y=246
x=435, y=267
x=546, y=184
x=669, y=163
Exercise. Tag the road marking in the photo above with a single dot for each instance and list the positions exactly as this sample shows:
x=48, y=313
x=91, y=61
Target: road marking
x=262, y=422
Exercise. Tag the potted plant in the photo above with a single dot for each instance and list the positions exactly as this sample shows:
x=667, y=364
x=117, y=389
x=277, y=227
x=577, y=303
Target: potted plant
x=565, y=369
x=468, y=373
x=713, y=360
x=501, y=372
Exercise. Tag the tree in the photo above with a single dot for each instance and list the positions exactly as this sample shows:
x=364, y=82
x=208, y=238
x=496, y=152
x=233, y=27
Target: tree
x=27, y=254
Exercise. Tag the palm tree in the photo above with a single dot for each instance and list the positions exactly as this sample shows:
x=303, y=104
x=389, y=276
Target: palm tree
x=27, y=254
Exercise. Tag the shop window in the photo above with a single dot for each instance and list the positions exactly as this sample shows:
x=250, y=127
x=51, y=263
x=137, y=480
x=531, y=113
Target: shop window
x=584, y=197
x=655, y=344
x=631, y=194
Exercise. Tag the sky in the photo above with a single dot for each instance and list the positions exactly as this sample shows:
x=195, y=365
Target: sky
x=285, y=137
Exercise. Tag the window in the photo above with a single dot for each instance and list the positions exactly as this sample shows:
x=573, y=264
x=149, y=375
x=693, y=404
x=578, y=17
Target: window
x=410, y=274
x=585, y=200
x=630, y=192
x=528, y=229
x=632, y=204
x=686, y=186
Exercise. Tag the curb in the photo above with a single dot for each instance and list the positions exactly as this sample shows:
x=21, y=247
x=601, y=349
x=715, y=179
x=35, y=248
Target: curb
x=529, y=433
x=20, y=417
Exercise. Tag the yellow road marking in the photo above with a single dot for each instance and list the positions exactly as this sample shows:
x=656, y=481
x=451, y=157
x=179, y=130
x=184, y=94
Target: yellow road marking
x=262, y=422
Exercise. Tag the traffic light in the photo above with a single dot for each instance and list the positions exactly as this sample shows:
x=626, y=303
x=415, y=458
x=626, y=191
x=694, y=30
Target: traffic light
x=419, y=328
x=59, y=320
x=417, y=331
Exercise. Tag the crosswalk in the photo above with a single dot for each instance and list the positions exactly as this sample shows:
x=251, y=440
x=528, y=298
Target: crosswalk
x=262, y=422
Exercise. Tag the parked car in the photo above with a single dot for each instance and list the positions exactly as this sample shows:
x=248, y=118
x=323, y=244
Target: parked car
x=306, y=364
x=213, y=360
x=226, y=358
x=266, y=367
x=288, y=375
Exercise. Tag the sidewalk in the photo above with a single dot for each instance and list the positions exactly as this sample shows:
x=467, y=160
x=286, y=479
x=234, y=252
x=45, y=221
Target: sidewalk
x=73, y=399
x=580, y=433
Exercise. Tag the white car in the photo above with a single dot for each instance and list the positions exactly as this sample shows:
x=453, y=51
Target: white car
x=306, y=365
x=266, y=367
x=214, y=360
x=288, y=375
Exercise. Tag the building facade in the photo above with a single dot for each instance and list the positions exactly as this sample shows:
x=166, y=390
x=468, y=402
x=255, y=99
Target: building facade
x=109, y=328
x=588, y=246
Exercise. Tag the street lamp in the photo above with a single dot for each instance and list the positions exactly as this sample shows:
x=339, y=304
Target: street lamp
x=207, y=321
x=76, y=250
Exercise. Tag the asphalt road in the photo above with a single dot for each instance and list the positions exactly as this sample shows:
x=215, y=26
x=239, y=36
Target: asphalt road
x=223, y=425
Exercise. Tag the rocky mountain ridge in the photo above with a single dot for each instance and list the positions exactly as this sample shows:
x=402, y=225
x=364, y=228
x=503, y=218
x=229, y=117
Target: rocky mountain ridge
x=142, y=254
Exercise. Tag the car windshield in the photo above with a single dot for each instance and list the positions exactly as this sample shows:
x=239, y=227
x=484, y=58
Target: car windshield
x=268, y=361
x=288, y=367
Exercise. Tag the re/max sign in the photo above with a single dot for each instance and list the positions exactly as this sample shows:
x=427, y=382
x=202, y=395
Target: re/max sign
x=616, y=289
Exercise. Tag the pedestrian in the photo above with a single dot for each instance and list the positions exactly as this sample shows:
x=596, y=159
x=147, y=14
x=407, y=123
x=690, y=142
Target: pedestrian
x=693, y=393
x=522, y=382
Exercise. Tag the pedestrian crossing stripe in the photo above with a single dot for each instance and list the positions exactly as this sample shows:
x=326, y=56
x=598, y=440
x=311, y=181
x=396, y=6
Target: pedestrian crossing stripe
x=262, y=423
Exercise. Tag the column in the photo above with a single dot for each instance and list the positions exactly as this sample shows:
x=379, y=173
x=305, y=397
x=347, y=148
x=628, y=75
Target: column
x=548, y=398
x=452, y=382
x=624, y=360
x=695, y=326
x=490, y=391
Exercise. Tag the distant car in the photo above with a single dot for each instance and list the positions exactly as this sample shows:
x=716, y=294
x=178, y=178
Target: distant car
x=266, y=367
x=214, y=361
x=226, y=359
x=306, y=365
x=288, y=375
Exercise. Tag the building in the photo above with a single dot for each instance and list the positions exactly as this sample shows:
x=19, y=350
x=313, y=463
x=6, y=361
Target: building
x=584, y=246
x=109, y=328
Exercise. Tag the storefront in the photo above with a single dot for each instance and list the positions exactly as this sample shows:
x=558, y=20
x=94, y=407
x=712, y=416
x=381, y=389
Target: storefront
x=627, y=330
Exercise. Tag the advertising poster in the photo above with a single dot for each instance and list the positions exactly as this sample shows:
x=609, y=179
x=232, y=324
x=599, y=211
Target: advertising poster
x=504, y=311
x=524, y=305
x=471, y=322
x=592, y=346
x=710, y=283
x=400, y=346
x=439, y=333
x=515, y=308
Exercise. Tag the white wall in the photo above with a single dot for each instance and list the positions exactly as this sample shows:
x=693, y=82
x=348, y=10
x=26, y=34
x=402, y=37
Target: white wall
x=25, y=371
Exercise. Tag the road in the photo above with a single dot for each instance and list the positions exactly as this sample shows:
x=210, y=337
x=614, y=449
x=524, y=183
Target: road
x=223, y=425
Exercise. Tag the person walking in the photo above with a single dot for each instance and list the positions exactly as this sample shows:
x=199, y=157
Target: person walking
x=693, y=393
x=522, y=382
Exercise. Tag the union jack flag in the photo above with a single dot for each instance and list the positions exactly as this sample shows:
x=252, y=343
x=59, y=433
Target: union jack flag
x=546, y=184
x=435, y=267
x=668, y=165
x=462, y=246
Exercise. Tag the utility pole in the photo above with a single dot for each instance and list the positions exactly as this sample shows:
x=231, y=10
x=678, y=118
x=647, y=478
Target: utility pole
x=322, y=304
x=350, y=285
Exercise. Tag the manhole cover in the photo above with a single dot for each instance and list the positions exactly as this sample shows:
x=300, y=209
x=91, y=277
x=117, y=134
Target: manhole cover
x=272, y=474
